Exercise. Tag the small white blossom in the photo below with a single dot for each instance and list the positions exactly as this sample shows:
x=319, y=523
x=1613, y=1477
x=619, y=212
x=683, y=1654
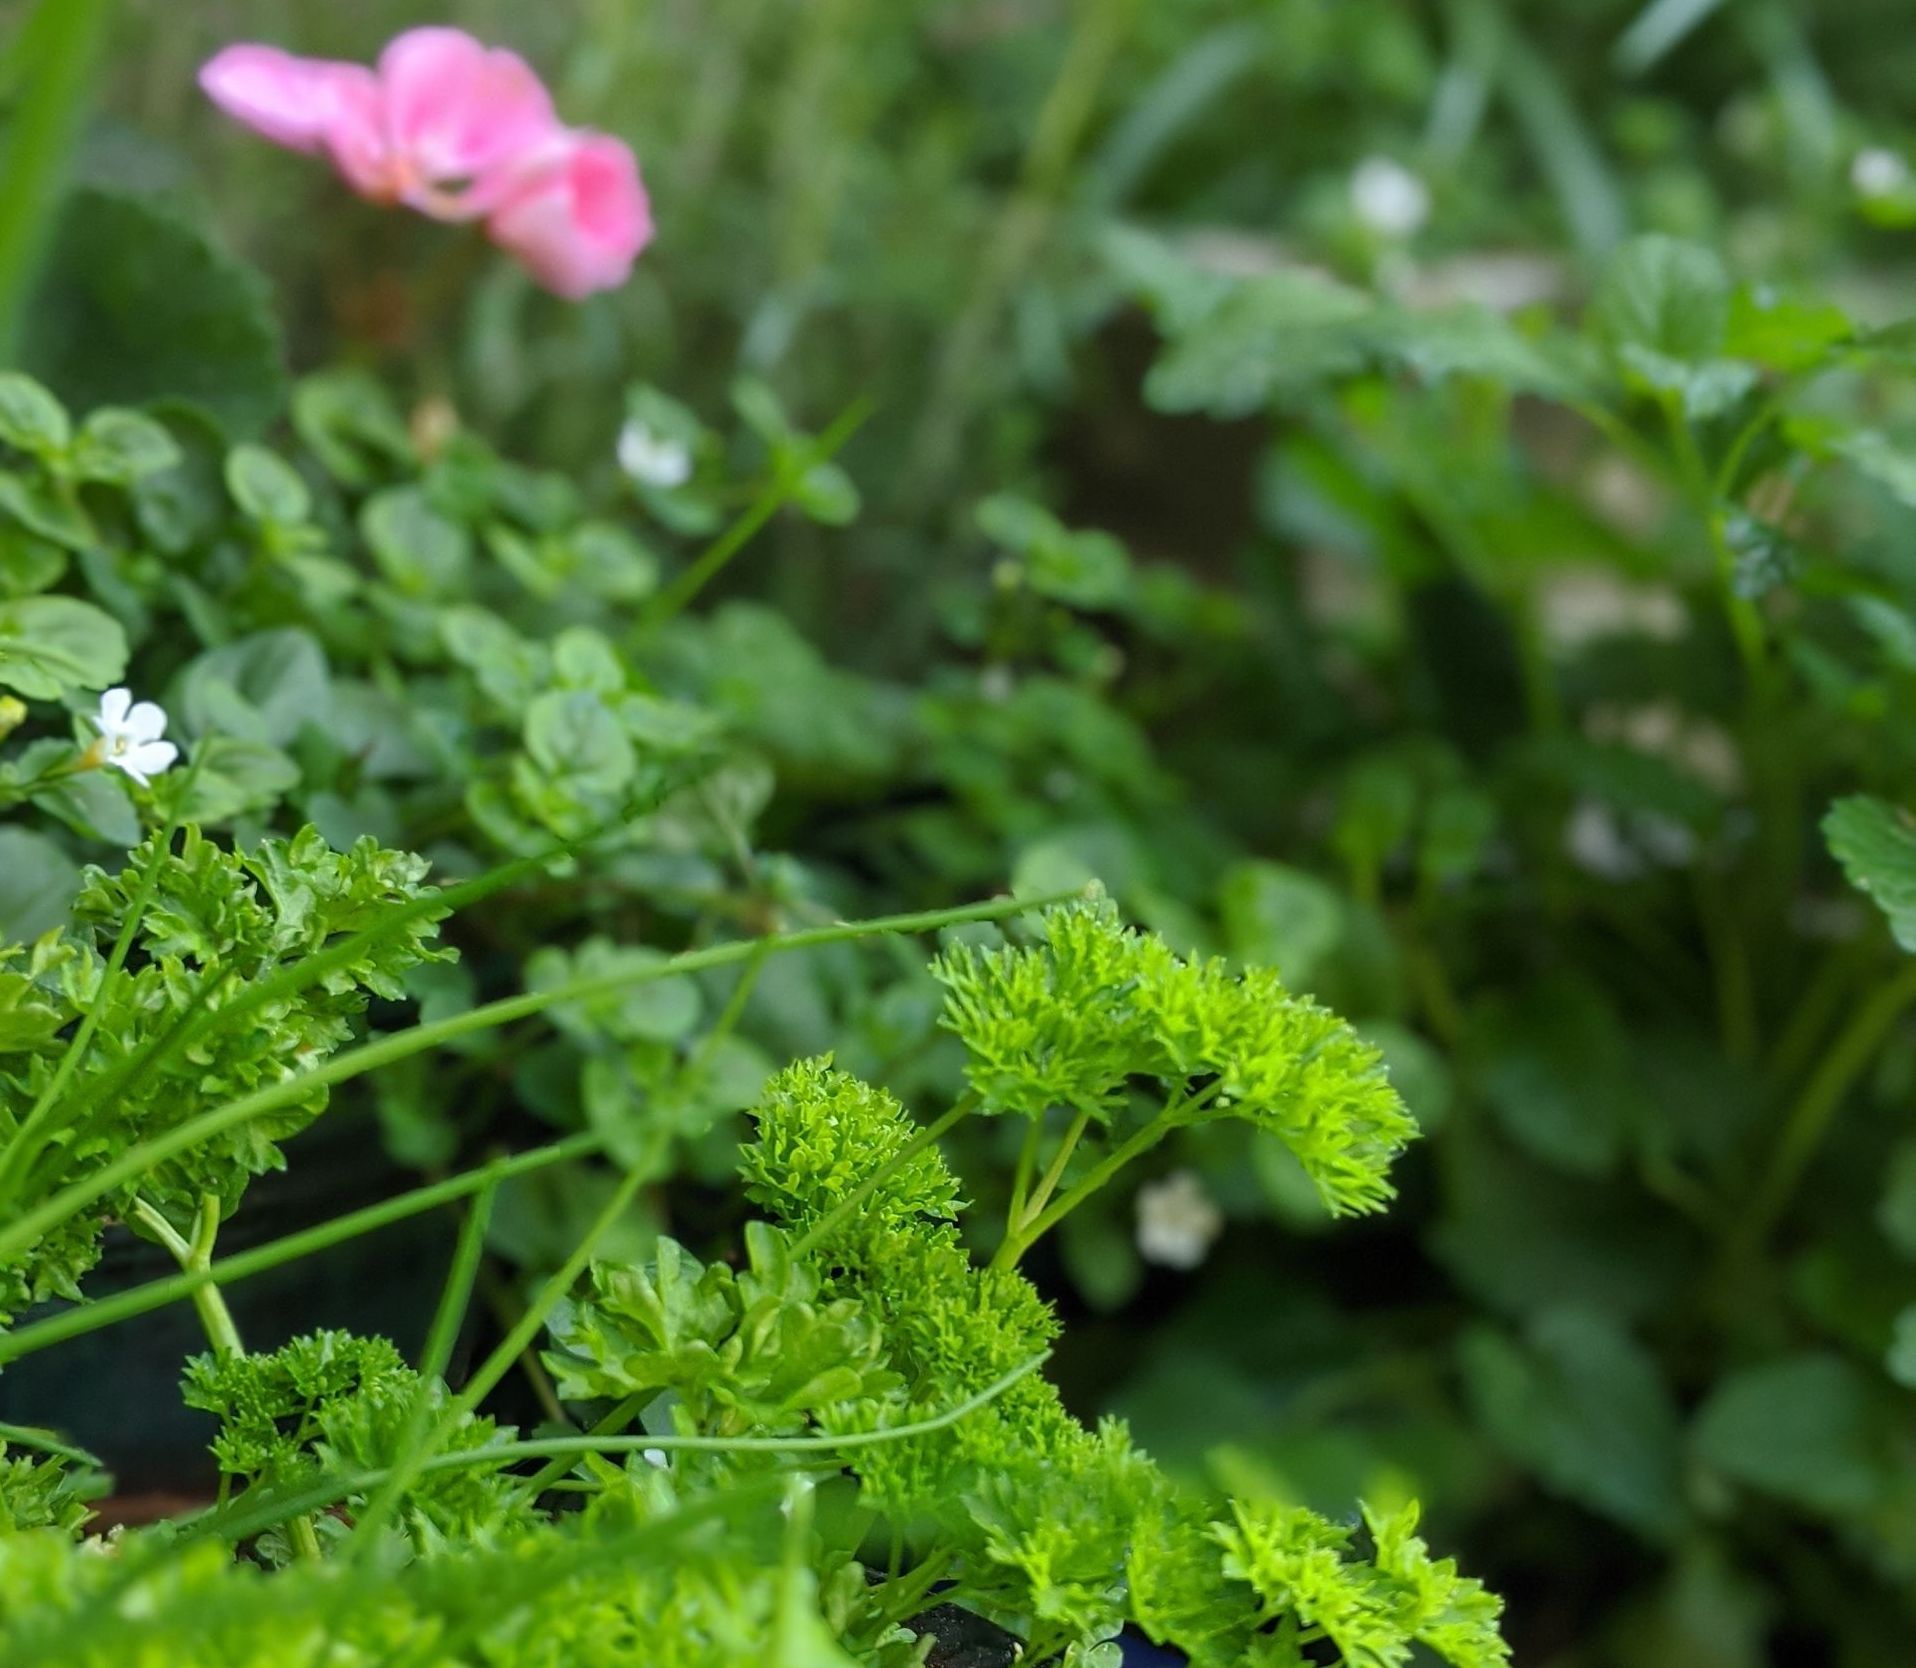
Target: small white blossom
x=1878, y=173
x=130, y=734
x=1388, y=198
x=653, y=460
x=1594, y=841
x=1177, y=1221
x=1580, y=606
x=656, y=1457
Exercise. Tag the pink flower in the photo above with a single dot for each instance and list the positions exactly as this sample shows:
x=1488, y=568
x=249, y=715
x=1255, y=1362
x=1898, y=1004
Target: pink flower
x=578, y=220
x=457, y=131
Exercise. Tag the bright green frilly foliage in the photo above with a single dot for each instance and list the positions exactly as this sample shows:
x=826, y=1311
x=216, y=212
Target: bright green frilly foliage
x=188, y=1023
x=1095, y=1009
x=856, y=1393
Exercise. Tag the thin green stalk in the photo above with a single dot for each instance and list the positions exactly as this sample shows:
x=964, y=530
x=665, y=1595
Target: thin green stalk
x=1054, y=1173
x=1018, y=235
x=519, y=1338
x=51, y=69
x=194, y=1256
x=1816, y=1108
x=1016, y=1245
x=329, y=1491
x=1027, y=1165
x=228, y=1271
x=1730, y=962
x=1814, y=1008
x=454, y=1298
x=775, y=495
x=216, y=1320
x=926, y=1137
x=1173, y=1116
x=46, y=1442
x=137, y=1160
x=611, y=1424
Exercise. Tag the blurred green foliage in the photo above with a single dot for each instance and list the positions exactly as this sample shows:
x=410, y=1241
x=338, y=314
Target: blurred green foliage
x=1473, y=615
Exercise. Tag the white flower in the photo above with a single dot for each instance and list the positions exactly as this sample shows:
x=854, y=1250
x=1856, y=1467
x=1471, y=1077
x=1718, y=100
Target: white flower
x=1177, y=1221
x=655, y=1457
x=653, y=460
x=1594, y=840
x=130, y=736
x=1878, y=173
x=1388, y=197
x=1580, y=606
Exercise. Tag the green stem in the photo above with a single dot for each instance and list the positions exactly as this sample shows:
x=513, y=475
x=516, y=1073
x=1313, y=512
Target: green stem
x=610, y=1425
x=243, y=1523
x=454, y=1298
x=1054, y=1173
x=1027, y=1163
x=775, y=495
x=1735, y=991
x=497, y=1364
x=196, y=1256
x=1816, y=1108
x=136, y=1161
x=1173, y=1115
x=216, y=1320
x=52, y=66
x=156, y=1294
x=1017, y=237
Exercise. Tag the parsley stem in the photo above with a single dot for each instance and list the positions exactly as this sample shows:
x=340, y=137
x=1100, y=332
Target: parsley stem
x=447, y=1318
x=612, y=1424
x=137, y=1160
x=1054, y=1173
x=417, y=1454
x=227, y=1271
x=1173, y=1115
x=243, y=1523
x=194, y=1256
x=1027, y=1163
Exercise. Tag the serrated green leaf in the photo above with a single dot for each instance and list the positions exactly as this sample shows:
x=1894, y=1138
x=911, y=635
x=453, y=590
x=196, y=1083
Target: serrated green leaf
x=1876, y=844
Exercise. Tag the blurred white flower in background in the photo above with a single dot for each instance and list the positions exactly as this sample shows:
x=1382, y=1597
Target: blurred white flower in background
x=1388, y=198
x=653, y=460
x=1878, y=173
x=1177, y=1221
x=1579, y=606
x=130, y=734
x=1593, y=839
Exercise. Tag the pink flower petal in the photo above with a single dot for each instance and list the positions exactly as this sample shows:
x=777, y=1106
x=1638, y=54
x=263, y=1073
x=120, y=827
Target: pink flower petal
x=355, y=134
x=456, y=113
x=274, y=93
x=577, y=221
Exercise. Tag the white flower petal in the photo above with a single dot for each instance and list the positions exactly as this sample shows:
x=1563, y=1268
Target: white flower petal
x=113, y=707
x=146, y=722
x=656, y=460
x=153, y=757
x=1388, y=197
